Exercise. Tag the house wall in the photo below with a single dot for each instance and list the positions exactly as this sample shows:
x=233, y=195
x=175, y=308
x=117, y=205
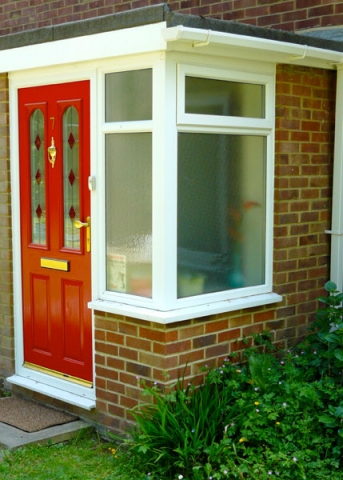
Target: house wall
x=6, y=282
x=129, y=351
x=22, y=15
x=126, y=348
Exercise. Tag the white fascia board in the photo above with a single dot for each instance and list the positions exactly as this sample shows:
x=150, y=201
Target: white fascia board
x=242, y=46
x=129, y=41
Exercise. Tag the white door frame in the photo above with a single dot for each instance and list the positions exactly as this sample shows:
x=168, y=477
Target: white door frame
x=49, y=385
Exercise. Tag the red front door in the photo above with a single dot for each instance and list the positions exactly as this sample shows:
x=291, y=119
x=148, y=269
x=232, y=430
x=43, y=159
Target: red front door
x=54, y=160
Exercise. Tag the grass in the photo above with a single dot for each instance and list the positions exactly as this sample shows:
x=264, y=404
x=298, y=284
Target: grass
x=85, y=457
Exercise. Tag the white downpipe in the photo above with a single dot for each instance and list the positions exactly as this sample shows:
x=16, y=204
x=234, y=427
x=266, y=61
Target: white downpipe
x=337, y=197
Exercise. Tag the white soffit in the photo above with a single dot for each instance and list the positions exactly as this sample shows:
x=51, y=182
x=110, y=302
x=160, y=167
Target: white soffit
x=211, y=42
x=128, y=41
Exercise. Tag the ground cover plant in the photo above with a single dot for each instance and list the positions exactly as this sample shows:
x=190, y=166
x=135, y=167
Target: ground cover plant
x=278, y=415
x=85, y=457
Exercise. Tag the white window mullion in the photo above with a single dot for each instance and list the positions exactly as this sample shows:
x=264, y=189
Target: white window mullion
x=270, y=106
x=164, y=187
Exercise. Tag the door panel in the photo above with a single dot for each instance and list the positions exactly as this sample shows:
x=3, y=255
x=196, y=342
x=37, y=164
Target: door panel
x=56, y=277
x=40, y=325
x=72, y=300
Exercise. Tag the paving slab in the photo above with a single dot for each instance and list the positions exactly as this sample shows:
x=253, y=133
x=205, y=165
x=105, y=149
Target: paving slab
x=12, y=438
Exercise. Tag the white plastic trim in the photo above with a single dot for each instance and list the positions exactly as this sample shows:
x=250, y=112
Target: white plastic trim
x=336, y=231
x=117, y=43
x=248, y=47
x=185, y=313
x=53, y=392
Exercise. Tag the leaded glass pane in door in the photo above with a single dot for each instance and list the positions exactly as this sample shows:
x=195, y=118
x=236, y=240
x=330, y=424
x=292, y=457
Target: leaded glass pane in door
x=71, y=186
x=37, y=149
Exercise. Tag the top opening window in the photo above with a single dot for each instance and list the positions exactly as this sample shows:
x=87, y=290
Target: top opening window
x=129, y=96
x=206, y=96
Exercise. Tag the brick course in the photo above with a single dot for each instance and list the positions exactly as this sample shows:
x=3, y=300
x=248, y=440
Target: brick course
x=292, y=15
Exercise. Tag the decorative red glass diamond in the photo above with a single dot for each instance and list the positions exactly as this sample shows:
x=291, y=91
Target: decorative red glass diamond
x=71, y=177
x=72, y=213
x=38, y=142
x=71, y=140
x=39, y=211
x=38, y=177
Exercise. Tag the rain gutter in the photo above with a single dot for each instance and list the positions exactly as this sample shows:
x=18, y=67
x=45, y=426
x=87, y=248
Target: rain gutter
x=242, y=46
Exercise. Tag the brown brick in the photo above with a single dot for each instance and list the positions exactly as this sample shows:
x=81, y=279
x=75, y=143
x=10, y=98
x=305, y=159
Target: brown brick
x=217, y=326
x=128, y=353
x=152, y=334
x=106, y=348
x=172, y=348
x=204, y=341
x=191, y=332
x=228, y=335
x=138, y=369
x=264, y=316
x=115, y=387
x=217, y=351
x=192, y=356
x=138, y=343
x=115, y=363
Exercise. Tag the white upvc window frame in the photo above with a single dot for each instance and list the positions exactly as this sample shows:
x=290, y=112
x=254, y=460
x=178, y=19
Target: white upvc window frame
x=168, y=119
x=197, y=123
x=229, y=75
x=155, y=126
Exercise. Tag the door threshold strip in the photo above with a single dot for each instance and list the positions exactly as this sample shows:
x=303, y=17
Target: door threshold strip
x=62, y=376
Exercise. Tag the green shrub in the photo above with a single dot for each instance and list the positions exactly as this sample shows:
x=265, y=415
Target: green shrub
x=276, y=416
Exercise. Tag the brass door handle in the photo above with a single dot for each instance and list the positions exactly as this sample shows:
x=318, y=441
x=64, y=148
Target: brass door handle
x=78, y=224
x=52, y=152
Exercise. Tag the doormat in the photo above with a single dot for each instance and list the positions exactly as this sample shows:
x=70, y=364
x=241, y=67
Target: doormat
x=30, y=416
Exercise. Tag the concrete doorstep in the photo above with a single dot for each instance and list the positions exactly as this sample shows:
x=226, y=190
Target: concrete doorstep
x=12, y=438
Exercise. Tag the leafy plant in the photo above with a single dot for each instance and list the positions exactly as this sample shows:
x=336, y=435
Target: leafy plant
x=279, y=414
x=328, y=330
x=175, y=430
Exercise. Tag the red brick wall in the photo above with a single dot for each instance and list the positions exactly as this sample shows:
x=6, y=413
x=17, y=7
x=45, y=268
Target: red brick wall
x=21, y=15
x=129, y=351
x=128, y=348
x=305, y=106
x=6, y=284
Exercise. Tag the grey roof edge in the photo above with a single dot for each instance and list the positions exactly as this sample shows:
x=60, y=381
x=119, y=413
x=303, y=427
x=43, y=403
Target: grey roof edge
x=228, y=26
x=329, y=33
x=155, y=14
x=106, y=23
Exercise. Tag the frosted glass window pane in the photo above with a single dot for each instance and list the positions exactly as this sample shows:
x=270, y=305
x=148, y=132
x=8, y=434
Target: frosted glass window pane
x=129, y=96
x=37, y=164
x=219, y=97
x=221, y=212
x=129, y=213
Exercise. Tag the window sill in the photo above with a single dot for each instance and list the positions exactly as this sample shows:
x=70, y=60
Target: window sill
x=186, y=313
